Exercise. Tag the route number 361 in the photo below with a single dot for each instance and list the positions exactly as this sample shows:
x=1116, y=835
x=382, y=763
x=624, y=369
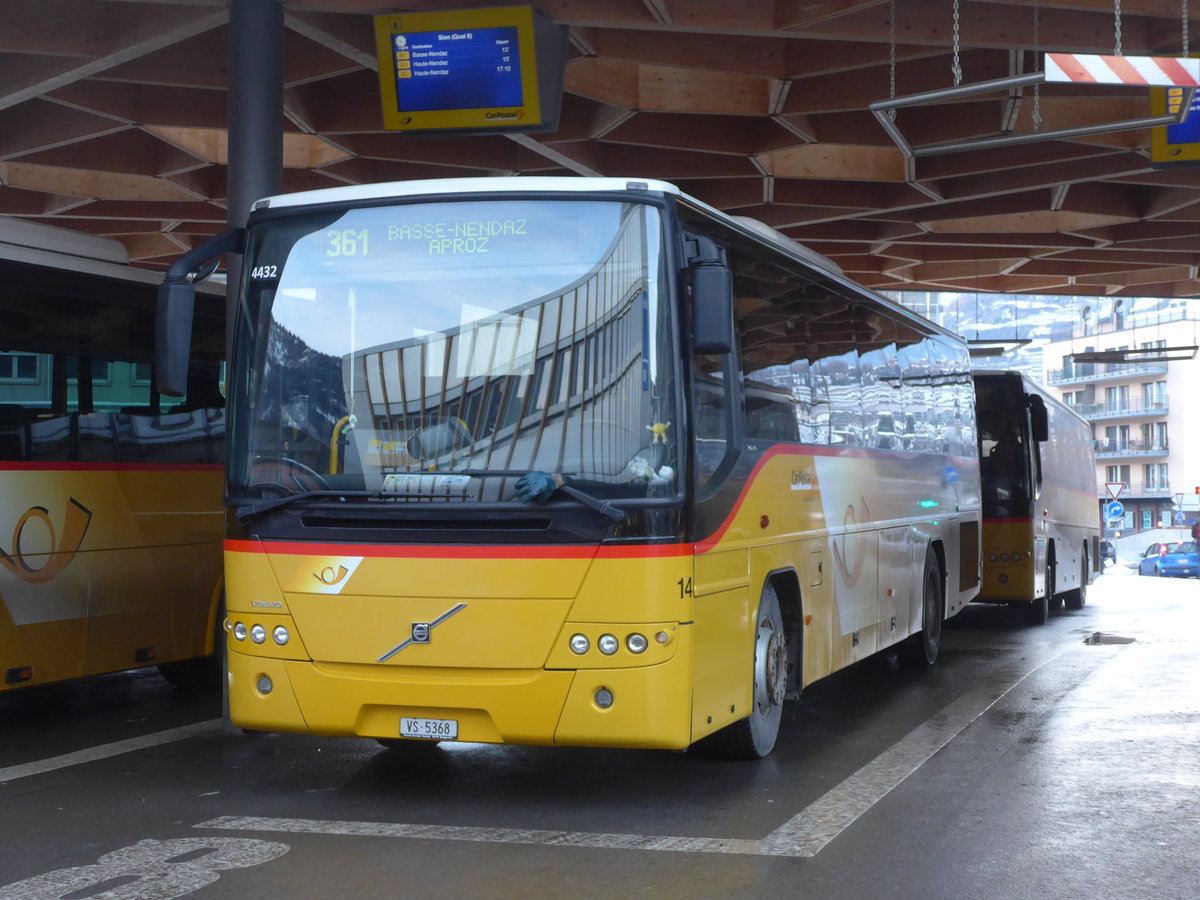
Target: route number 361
x=149, y=870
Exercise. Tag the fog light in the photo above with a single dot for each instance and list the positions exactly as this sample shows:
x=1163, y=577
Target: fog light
x=580, y=644
x=662, y=637
x=258, y=634
x=608, y=644
x=239, y=631
x=280, y=634
x=604, y=698
x=1003, y=579
x=636, y=643
x=264, y=685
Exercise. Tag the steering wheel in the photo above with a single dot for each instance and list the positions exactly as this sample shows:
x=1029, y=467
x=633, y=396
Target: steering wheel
x=289, y=474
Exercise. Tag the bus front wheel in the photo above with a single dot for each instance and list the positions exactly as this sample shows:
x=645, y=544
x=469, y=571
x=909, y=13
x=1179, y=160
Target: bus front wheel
x=1038, y=612
x=754, y=736
x=924, y=645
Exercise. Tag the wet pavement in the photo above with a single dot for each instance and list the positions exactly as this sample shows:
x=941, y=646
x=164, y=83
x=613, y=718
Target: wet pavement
x=1026, y=763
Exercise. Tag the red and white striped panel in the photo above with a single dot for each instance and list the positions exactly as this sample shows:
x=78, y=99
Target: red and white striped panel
x=1157, y=71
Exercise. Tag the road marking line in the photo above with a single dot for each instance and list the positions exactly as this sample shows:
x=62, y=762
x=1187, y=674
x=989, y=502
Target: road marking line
x=105, y=751
x=486, y=835
x=804, y=835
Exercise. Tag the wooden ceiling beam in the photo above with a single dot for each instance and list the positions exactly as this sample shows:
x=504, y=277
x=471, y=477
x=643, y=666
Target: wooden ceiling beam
x=39, y=125
x=156, y=29
x=1043, y=176
x=760, y=56
x=711, y=134
x=146, y=104
x=836, y=162
x=857, y=89
x=129, y=150
x=1027, y=156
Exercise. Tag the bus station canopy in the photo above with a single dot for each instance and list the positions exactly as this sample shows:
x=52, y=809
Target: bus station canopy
x=113, y=121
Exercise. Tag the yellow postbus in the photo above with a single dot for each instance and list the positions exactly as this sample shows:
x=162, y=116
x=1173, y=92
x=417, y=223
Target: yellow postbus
x=110, y=545
x=572, y=462
x=1041, y=526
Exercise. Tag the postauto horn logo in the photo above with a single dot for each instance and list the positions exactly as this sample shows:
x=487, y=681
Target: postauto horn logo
x=62, y=550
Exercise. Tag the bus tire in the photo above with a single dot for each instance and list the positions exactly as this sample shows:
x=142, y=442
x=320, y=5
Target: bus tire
x=754, y=736
x=1077, y=598
x=1038, y=612
x=204, y=673
x=922, y=648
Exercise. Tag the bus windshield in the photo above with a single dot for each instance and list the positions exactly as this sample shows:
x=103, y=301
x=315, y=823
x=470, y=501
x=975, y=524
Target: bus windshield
x=1005, y=448
x=439, y=350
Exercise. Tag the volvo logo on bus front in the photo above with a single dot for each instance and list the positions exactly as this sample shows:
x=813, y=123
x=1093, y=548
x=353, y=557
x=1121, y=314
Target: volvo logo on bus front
x=421, y=631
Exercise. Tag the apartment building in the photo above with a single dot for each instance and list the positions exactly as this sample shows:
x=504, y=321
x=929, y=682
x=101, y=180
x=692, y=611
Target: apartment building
x=1147, y=435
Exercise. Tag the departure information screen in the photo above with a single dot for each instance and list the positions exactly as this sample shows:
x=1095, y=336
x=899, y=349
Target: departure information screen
x=457, y=69
x=467, y=70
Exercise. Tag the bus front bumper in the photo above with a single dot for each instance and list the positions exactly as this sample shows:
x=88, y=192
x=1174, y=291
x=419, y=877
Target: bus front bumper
x=650, y=705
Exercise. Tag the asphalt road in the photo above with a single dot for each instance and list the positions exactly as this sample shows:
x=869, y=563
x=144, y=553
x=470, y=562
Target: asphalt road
x=1026, y=763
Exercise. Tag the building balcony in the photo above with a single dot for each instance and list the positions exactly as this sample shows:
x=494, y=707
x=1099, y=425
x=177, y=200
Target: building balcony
x=1093, y=412
x=1087, y=373
x=1106, y=449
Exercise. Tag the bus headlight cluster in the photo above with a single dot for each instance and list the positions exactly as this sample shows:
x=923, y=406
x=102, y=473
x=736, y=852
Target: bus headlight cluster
x=608, y=644
x=258, y=634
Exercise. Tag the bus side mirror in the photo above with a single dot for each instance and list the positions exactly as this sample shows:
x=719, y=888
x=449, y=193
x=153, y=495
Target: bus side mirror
x=1039, y=419
x=173, y=336
x=176, y=305
x=712, y=299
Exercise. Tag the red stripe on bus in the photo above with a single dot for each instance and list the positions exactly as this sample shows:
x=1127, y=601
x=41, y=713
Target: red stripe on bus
x=107, y=467
x=476, y=551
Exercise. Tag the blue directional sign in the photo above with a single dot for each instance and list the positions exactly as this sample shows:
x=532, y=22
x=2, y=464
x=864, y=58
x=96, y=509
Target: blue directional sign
x=1114, y=510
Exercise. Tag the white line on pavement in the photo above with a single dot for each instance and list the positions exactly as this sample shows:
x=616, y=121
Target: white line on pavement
x=804, y=835
x=104, y=751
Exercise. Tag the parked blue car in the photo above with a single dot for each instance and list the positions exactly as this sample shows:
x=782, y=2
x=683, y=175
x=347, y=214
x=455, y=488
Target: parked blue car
x=1178, y=559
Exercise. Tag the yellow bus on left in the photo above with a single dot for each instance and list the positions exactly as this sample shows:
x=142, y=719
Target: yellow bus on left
x=111, y=518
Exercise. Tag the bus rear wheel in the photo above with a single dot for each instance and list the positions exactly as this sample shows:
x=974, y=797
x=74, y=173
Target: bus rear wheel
x=754, y=736
x=1077, y=598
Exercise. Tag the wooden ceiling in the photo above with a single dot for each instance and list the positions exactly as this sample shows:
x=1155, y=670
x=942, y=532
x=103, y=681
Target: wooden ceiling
x=113, y=117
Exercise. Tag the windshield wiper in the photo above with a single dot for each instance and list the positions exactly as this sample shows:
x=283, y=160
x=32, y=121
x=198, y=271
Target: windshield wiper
x=254, y=508
x=601, y=506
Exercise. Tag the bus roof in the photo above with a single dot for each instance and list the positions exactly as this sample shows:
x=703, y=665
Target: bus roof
x=505, y=184
x=17, y=233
